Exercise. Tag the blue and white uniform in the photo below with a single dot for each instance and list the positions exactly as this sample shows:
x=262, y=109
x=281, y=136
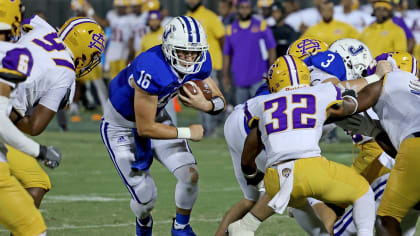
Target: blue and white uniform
x=131, y=154
x=324, y=65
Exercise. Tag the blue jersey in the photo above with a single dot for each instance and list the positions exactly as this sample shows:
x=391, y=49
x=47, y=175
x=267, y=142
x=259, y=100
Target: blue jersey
x=329, y=62
x=151, y=72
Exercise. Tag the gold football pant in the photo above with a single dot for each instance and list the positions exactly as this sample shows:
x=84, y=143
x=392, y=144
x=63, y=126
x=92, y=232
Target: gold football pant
x=27, y=170
x=116, y=66
x=367, y=162
x=18, y=213
x=319, y=178
x=402, y=191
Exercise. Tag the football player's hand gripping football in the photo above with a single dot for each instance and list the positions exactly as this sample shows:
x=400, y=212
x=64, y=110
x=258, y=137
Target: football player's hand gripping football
x=197, y=101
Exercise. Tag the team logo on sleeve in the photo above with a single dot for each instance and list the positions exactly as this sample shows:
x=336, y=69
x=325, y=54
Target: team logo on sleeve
x=98, y=42
x=306, y=45
x=286, y=172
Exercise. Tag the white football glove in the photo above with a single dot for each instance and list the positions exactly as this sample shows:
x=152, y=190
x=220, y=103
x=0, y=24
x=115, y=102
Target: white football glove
x=51, y=156
x=358, y=124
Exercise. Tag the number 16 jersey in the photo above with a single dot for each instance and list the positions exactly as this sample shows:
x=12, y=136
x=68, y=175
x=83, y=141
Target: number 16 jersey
x=291, y=122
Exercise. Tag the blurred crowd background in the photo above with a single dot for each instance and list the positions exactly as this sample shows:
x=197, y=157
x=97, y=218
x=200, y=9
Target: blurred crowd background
x=245, y=37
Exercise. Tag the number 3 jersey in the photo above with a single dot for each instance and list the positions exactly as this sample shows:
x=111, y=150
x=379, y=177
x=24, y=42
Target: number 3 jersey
x=291, y=122
x=53, y=74
x=150, y=72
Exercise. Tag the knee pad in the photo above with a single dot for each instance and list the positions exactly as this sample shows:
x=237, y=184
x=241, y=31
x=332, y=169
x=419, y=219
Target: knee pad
x=145, y=198
x=186, y=190
x=187, y=174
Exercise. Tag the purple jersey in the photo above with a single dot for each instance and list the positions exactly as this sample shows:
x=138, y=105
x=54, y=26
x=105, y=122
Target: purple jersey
x=246, y=48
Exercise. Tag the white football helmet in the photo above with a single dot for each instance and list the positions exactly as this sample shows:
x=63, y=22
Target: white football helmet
x=186, y=34
x=356, y=56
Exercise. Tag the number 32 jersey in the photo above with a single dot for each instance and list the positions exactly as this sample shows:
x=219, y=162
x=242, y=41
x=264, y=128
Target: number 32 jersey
x=291, y=122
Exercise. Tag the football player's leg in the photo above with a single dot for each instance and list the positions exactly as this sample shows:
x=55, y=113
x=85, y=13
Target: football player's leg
x=369, y=151
x=252, y=220
x=402, y=191
x=28, y=172
x=338, y=184
x=176, y=156
x=408, y=224
x=17, y=210
x=140, y=184
x=235, y=136
x=308, y=219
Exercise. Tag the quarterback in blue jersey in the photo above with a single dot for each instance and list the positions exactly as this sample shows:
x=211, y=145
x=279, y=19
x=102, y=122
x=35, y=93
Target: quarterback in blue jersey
x=136, y=126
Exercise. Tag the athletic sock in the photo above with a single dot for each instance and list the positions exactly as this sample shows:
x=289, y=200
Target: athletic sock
x=181, y=221
x=146, y=222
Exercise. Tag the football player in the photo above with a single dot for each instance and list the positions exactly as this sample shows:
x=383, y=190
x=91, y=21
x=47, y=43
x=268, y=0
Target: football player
x=18, y=213
x=399, y=120
x=135, y=114
x=120, y=49
x=72, y=52
x=293, y=116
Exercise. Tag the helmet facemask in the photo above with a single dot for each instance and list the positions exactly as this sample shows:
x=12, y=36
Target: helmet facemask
x=176, y=39
x=95, y=60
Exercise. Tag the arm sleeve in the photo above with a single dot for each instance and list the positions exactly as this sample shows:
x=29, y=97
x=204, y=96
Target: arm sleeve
x=53, y=98
x=12, y=136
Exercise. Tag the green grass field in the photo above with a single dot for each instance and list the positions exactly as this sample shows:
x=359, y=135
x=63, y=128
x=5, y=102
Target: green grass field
x=88, y=197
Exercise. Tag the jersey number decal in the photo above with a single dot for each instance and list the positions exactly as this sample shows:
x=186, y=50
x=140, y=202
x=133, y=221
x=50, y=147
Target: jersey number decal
x=23, y=64
x=330, y=59
x=49, y=44
x=280, y=117
x=144, y=80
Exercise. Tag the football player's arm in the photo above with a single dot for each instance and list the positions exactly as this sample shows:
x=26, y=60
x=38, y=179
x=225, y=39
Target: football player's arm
x=252, y=147
x=340, y=110
x=385, y=143
x=369, y=95
x=145, y=106
x=34, y=124
x=214, y=106
x=9, y=134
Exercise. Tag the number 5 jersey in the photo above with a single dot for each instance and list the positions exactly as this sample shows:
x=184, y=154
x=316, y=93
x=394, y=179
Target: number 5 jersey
x=53, y=74
x=291, y=122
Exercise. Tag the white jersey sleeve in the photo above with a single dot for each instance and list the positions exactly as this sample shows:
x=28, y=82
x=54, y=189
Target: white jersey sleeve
x=53, y=72
x=291, y=122
x=318, y=76
x=397, y=105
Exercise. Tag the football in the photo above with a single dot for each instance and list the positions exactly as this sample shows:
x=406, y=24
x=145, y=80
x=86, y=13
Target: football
x=192, y=87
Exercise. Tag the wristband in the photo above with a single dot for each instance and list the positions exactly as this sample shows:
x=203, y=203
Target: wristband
x=355, y=101
x=90, y=12
x=372, y=78
x=218, y=105
x=183, y=132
